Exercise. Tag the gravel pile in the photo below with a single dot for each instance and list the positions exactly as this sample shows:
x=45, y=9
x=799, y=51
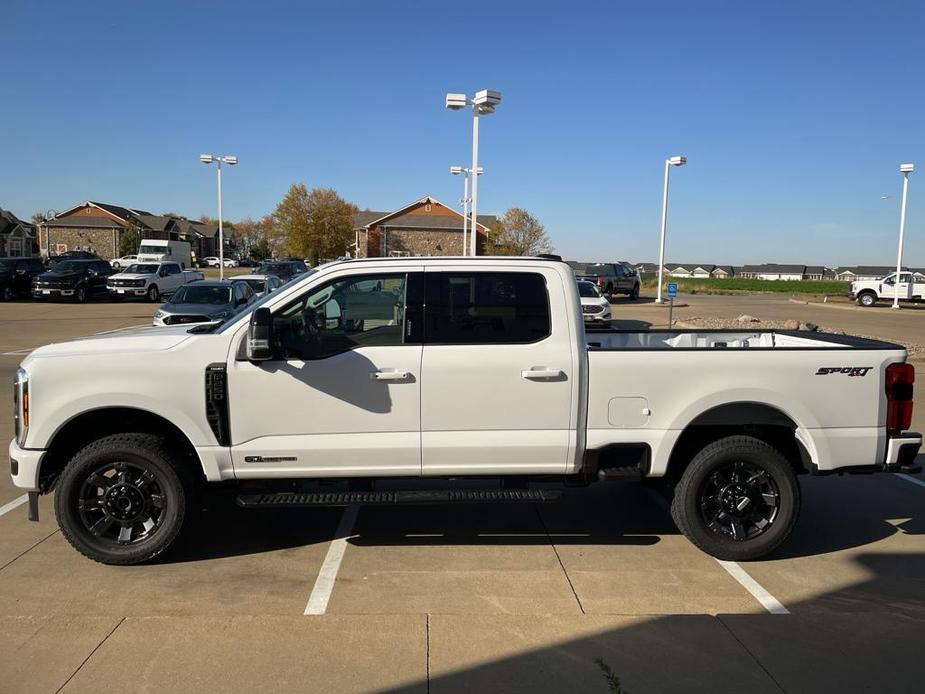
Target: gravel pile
x=747, y=322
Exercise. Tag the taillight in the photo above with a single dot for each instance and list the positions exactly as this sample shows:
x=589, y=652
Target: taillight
x=600, y=281
x=899, y=380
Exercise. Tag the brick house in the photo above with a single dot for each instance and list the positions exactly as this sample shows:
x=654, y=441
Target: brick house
x=17, y=237
x=98, y=227
x=425, y=227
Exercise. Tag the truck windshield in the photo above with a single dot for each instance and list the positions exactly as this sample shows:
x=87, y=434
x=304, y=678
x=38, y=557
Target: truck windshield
x=139, y=269
x=198, y=294
x=68, y=266
x=155, y=250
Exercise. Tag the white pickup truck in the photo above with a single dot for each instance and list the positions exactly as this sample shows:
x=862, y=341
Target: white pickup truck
x=868, y=292
x=379, y=372
x=150, y=280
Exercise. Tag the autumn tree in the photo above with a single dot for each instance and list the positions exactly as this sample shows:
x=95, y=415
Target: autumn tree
x=316, y=224
x=37, y=217
x=518, y=233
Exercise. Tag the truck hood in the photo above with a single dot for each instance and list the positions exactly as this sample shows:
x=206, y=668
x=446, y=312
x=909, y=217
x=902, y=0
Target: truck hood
x=132, y=276
x=135, y=339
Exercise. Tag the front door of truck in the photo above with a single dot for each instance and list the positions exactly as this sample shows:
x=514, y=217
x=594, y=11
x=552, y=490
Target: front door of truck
x=902, y=289
x=498, y=380
x=342, y=395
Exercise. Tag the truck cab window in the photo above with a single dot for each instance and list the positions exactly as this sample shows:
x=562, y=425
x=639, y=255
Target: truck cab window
x=352, y=312
x=486, y=308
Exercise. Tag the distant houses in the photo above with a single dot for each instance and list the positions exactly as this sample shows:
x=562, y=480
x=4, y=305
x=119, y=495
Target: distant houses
x=17, y=237
x=774, y=271
x=98, y=227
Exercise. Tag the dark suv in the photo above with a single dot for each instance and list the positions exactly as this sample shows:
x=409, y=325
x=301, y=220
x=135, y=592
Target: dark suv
x=610, y=278
x=16, y=276
x=74, y=279
x=284, y=269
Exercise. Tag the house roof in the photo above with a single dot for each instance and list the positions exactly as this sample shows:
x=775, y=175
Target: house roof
x=156, y=222
x=690, y=266
x=775, y=268
x=389, y=218
x=9, y=222
x=84, y=221
x=878, y=270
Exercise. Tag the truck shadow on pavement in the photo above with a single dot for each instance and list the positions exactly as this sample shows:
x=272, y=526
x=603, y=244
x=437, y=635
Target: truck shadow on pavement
x=865, y=636
x=838, y=514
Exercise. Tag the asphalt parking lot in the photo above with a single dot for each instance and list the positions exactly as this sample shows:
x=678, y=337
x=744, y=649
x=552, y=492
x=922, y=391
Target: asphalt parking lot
x=480, y=598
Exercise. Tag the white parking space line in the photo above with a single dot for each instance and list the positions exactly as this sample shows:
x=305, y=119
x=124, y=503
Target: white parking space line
x=327, y=575
x=15, y=503
x=758, y=591
x=910, y=478
x=771, y=604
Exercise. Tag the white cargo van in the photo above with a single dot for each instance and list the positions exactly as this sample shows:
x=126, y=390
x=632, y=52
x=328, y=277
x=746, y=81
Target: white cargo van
x=157, y=250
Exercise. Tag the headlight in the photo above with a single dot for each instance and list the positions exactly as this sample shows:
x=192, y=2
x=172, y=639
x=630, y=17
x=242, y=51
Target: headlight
x=21, y=406
x=159, y=314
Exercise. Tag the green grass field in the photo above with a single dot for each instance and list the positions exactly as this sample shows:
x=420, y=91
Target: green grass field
x=690, y=285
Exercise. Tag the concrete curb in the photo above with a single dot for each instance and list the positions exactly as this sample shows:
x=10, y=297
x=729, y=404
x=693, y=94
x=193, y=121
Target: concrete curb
x=819, y=303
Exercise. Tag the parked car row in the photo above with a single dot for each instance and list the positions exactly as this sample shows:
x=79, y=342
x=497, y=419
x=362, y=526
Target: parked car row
x=610, y=278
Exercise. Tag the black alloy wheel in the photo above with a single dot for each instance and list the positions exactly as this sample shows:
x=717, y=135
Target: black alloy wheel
x=739, y=500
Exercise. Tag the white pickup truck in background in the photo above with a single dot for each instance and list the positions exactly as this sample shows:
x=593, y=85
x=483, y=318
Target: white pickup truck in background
x=374, y=372
x=869, y=292
x=150, y=280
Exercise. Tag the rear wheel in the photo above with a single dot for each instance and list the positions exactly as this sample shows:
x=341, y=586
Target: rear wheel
x=738, y=499
x=867, y=299
x=121, y=500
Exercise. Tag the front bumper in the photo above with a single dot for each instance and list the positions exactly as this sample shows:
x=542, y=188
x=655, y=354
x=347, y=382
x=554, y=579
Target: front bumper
x=43, y=293
x=126, y=291
x=25, y=464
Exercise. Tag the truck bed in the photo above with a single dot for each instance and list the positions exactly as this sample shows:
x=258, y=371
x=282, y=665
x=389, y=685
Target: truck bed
x=605, y=339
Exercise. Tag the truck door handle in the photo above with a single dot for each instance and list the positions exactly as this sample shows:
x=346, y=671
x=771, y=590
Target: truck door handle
x=389, y=375
x=541, y=374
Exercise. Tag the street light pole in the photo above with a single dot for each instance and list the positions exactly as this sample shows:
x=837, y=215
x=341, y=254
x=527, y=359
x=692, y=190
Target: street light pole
x=221, y=230
x=231, y=160
x=671, y=161
x=465, y=202
x=905, y=170
x=483, y=103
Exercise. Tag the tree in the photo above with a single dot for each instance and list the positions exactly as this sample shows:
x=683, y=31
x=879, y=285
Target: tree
x=518, y=233
x=130, y=240
x=316, y=224
x=37, y=217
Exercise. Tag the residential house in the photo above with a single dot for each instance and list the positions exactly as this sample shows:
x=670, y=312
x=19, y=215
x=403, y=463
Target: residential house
x=646, y=269
x=814, y=272
x=723, y=272
x=773, y=271
x=423, y=227
x=17, y=238
x=864, y=272
x=689, y=269
x=98, y=227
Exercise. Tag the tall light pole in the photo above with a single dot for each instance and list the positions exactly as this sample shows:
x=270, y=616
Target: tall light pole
x=671, y=161
x=483, y=104
x=231, y=160
x=905, y=170
x=456, y=170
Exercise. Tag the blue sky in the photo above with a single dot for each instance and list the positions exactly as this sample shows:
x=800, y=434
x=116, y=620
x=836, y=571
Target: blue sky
x=794, y=116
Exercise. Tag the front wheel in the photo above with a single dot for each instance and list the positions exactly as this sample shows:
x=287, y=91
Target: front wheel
x=6, y=294
x=635, y=293
x=737, y=500
x=867, y=299
x=121, y=500
x=80, y=294
x=153, y=293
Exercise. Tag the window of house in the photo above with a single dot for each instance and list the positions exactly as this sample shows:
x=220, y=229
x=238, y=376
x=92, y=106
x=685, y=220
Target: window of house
x=486, y=308
x=344, y=314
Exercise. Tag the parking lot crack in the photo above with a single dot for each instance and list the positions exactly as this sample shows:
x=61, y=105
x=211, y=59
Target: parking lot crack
x=751, y=655
x=427, y=651
x=26, y=551
x=90, y=655
x=559, y=559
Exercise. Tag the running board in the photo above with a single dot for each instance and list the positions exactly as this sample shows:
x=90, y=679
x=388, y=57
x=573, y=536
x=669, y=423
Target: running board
x=385, y=498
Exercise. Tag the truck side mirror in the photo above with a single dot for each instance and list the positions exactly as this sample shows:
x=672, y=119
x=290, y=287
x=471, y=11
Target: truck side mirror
x=258, y=335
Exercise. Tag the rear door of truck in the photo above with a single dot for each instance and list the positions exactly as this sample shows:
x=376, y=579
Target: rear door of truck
x=498, y=379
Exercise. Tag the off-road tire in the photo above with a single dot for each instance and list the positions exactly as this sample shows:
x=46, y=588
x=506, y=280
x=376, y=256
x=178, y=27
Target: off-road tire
x=146, y=451
x=686, y=505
